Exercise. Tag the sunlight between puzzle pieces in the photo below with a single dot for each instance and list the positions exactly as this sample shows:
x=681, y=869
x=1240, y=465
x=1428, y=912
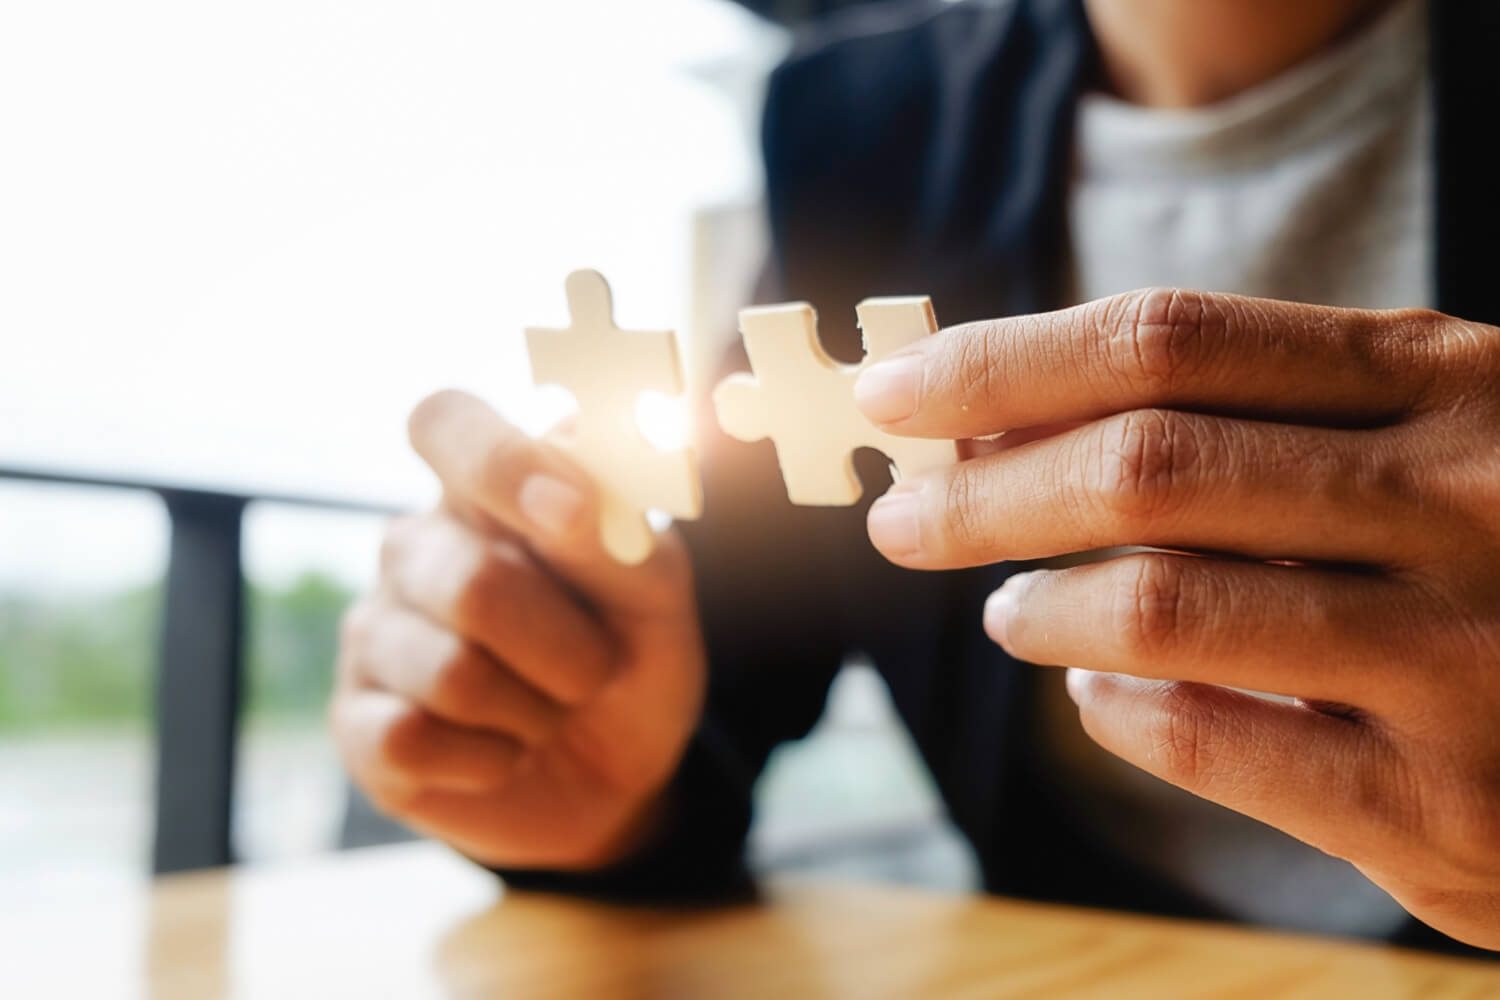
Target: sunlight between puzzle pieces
x=796, y=395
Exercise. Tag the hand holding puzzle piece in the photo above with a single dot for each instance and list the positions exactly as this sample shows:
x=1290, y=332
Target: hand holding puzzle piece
x=606, y=369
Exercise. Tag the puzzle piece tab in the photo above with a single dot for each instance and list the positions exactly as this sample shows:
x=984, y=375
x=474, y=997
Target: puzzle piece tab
x=607, y=369
x=803, y=400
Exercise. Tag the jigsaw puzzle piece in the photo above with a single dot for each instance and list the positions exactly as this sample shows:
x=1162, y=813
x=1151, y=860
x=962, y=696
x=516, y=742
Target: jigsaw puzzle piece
x=803, y=400
x=607, y=369
x=793, y=399
x=889, y=324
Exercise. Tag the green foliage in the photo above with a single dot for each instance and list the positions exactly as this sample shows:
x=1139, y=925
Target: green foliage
x=65, y=660
x=92, y=659
x=293, y=636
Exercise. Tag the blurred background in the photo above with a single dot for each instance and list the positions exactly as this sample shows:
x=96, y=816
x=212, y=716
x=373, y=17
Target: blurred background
x=237, y=243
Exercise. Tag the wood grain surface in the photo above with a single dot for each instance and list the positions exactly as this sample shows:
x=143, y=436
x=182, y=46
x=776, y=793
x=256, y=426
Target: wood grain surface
x=415, y=921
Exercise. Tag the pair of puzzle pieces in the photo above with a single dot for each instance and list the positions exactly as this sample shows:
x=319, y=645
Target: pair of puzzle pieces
x=797, y=396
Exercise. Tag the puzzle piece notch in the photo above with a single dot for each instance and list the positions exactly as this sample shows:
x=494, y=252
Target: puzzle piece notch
x=607, y=369
x=803, y=400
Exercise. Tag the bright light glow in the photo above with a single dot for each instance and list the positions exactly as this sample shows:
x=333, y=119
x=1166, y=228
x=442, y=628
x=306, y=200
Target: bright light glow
x=544, y=409
x=239, y=243
x=666, y=422
x=61, y=539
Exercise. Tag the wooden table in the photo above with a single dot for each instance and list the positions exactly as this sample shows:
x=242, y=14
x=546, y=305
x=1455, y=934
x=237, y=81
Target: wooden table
x=414, y=921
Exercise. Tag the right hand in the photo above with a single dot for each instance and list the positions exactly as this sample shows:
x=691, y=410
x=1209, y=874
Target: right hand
x=509, y=688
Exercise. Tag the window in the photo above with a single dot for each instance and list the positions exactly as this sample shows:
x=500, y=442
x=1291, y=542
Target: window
x=80, y=598
x=302, y=568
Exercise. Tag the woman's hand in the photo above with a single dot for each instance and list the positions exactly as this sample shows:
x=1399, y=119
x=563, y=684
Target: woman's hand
x=1328, y=484
x=509, y=687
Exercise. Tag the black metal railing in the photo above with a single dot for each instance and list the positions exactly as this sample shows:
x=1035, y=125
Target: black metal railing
x=199, y=682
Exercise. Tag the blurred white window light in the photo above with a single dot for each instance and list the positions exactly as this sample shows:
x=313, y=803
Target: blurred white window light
x=266, y=233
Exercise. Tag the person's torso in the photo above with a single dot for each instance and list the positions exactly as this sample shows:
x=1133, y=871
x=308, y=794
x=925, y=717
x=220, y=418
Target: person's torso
x=927, y=148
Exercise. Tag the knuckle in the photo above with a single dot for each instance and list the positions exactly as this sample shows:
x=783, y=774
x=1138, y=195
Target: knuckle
x=1184, y=738
x=977, y=361
x=571, y=682
x=460, y=682
x=1146, y=458
x=1390, y=480
x=488, y=583
x=1469, y=359
x=1455, y=344
x=966, y=525
x=1152, y=335
x=1150, y=608
x=1483, y=343
x=1433, y=325
x=1424, y=353
x=399, y=747
x=506, y=461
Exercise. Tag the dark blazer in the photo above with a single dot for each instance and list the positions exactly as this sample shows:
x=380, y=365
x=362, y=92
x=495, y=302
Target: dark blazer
x=924, y=148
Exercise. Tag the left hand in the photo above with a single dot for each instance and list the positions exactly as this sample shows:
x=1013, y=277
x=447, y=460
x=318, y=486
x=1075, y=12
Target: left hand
x=1328, y=484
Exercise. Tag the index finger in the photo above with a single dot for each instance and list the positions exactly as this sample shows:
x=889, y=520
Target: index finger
x=531, y=488
x=1156, y=348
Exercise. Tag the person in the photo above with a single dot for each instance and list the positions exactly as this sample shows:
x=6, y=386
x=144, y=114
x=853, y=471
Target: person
x=1284, y=454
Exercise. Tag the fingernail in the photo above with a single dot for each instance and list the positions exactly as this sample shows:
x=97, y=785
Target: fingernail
x=551, y=504
x=895, y=524
x=888, y=391
x=1002, y=607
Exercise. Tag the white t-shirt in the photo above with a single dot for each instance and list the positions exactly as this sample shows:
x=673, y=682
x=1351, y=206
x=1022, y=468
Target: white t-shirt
x=1315, y=187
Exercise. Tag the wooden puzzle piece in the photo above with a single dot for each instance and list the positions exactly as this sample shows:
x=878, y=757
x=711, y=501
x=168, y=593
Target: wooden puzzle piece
x=607, y=369
x=803, y=400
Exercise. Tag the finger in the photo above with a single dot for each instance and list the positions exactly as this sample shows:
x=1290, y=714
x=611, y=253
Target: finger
x=1319, y=777
x=492, y=592
x=487, y=462
x=1152, y=348
x=459, y=507
x=391, y=743
x=532, y=488
x=1160, y=478
x=1312, y=633
x=406, y=654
